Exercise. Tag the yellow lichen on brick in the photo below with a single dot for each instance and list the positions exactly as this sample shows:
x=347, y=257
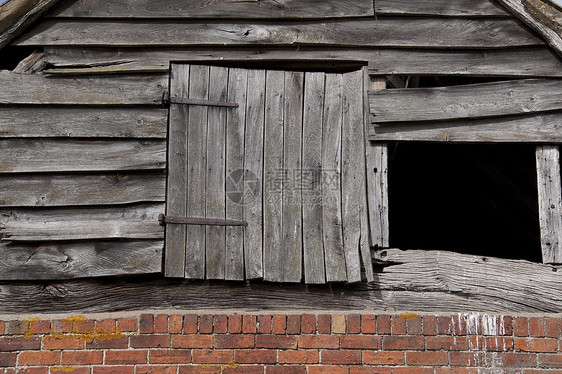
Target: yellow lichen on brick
x=221, y=367
x=95, y=333
x=29, y=330
x=64, y=369
x=408, y=316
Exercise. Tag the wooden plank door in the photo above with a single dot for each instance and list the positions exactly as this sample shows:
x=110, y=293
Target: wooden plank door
x=289, y=160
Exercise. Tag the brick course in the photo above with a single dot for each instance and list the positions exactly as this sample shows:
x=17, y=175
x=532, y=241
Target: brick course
x=379, y=343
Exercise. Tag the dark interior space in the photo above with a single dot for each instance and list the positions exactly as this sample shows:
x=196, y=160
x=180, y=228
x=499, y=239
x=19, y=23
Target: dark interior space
x=476, y=199
x=10, y=57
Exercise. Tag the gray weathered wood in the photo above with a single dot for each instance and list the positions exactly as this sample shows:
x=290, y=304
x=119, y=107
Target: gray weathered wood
x=520, y=62
x=353, y=184
x=431, y=281
x=418, y=33
x=79, y=260
x=273, y=259
x=131, y=222
x=552, y=37
x=174, y=255
x=18, y=15
x=236, y=120
x=474, y=8
x=38, y=89
x=69, y=190
x=196, y=171
x=83, y=122
x=331, y=176
x=466, y=101
x=377, y=181
x=215, y=181
x=50, y=155
x=377, y=192
x=550, y=203
x=214, y=9
x=535, y=128
x=32, y=64
x=292, y=161
x=313, y=249
x=253, y=167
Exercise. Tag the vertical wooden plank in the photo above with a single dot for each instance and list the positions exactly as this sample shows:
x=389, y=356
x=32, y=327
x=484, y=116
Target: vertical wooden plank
x=331, y=186
x=196, y=173
x=377, y=180
x=273, y=259
x=215, y=181
x=236, y=119
x=311, y=179
x=292, y=207
x=353, y=172
x=253, y=177
x=550, y=203
x=174, y=258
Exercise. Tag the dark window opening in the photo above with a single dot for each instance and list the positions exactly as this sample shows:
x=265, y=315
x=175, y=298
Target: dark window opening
x=10, y=56
x=476, y=199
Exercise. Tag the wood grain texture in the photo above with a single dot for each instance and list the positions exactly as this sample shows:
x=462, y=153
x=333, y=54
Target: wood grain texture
x=292, y=161
x=331, y=176
x=79, y=260
x=550, y=203
x=82, y=122
x=55, y=155
x=38, y=89
x=519, y=10
x=520, y=62
x=18, y=15
x=431, y=281
x=287, y=9
x=535, y=128
x=273, y=187
x=353, y=184
x=447, y=8
x=466, y=101
x=418, y=33
x=174, y=255
x=313, y=247
x=74, y=190
x=56, y=224
x=197, y=120
x=377, y=194
x=235, y=125
x=254, y=179
x=215, y=201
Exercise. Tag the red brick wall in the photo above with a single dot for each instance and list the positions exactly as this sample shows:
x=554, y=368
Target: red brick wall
x=282, y=343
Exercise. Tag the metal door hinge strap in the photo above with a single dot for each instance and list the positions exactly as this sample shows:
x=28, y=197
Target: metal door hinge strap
x=200, y=221
x=166, y=99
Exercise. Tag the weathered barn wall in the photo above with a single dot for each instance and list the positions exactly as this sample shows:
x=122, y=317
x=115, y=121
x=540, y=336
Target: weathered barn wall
x=87, y=139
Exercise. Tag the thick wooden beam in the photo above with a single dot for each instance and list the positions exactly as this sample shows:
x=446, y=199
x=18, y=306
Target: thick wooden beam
x=377, y=183
x=466, y=101
x=38, y=89
x=535, y=128
x=550, y=203
x=286, y=9
x=409, y=281
x=520, y=62
x=17, y=15
x=518, y=9
x=79, y=260
x=416, y=33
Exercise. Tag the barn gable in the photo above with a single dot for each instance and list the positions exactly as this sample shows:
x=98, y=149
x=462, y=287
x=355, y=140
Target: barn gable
x=93, y=151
